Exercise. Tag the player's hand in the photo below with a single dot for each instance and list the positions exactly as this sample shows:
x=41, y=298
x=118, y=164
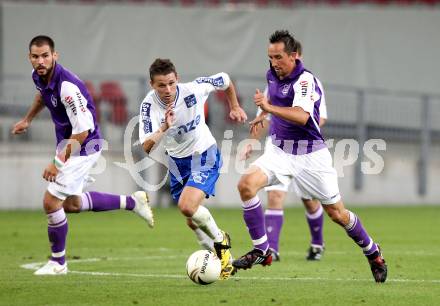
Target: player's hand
x=257, y=124
x=238, y=114
x=50, y=173
x=20, y=127
x=170, y=116
x=246, y=152
x=261, y=100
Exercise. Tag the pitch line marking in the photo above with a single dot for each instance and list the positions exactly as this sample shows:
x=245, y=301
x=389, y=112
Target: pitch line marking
x=37, y=265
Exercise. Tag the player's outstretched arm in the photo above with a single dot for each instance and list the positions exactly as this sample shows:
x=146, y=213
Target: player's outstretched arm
x=21, y=126
x=236, y=112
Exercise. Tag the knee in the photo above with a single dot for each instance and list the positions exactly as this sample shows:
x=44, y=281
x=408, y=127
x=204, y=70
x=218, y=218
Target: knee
x=275, y=199
x=246, y=189
x=311, y=206
x=338, y=216
x=186, y=208
x=49, y=205
x=72, y=204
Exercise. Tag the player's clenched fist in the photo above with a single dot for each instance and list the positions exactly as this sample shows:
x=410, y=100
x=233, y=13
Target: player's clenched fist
x=20, y=127
x=261, y=100
x=238, y=114
x=50, y=173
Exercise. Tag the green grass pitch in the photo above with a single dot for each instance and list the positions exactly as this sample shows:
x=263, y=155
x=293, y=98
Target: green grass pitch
x=115, y=259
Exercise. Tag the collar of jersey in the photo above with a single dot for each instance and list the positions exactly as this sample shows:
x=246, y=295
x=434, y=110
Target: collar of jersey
x=163, y=104
x=299, y=68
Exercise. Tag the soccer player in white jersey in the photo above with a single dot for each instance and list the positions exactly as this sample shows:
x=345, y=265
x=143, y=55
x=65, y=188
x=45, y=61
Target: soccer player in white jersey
x=174, y=113
x=299, y=153
x=79, y=145
x=274, y=214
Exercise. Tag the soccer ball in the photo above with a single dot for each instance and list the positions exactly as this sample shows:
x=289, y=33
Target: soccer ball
x=203, y=267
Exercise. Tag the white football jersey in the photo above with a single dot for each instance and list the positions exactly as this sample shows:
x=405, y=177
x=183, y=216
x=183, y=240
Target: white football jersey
x=189, y=134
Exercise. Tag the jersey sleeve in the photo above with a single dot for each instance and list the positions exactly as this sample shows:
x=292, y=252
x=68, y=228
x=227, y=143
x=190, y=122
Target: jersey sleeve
x=323, y=106
x=304, y=92
x=75, y=103
x=219, y=81
x=147, y=123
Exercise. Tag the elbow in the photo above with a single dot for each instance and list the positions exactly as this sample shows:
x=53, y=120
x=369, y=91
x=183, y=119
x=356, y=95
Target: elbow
x=147, y=146
x=304, y=119
x=83, y=136
x=227, y=80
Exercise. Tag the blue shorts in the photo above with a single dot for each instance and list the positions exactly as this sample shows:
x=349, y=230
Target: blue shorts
x=200, y=171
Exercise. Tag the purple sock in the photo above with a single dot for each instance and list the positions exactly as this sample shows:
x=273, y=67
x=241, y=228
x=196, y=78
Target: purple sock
x=57, y=232
x=254, y=218
x=274, y=219
x=98, y=201
x=316, y=222
x=357, y=232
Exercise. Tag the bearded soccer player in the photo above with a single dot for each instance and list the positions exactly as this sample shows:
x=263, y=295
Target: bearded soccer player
x=174, y=112
x=297, y=152
x=79, y=145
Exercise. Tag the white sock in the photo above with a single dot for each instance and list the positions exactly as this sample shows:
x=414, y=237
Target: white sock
x=204, y=221
x=204, y=240
x=86, y=202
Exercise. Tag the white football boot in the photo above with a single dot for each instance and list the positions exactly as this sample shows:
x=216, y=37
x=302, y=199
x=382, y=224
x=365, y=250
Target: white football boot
x=142, y=208
x=52, y=268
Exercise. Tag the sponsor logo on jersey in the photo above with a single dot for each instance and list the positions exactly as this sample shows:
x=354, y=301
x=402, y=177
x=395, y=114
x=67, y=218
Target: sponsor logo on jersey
x=303, y=88
x=285, y=89
x=217, y=82
x=71, y=103
x=145, y=114
x=185, y=128
x=190, y=101
x=145, y=110
x=81, y=105
x=54, y=101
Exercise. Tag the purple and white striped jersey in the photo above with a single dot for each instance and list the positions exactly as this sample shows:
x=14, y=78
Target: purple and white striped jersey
x=71, y=108
x=301, y=89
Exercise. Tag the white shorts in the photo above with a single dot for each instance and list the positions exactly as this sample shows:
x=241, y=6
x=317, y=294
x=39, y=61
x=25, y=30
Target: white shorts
x=311, y=175
x=289, y=188
x=72, y=177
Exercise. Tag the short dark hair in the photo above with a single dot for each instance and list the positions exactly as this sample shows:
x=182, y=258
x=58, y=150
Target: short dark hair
x=298, y=48
x=161, y=67
x=285, y=37
x=42, y=40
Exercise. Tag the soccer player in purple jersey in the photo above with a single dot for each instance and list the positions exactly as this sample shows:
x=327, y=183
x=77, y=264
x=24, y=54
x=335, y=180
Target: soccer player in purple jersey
x=274, y=214
x=299, y=153
x=79, y=145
